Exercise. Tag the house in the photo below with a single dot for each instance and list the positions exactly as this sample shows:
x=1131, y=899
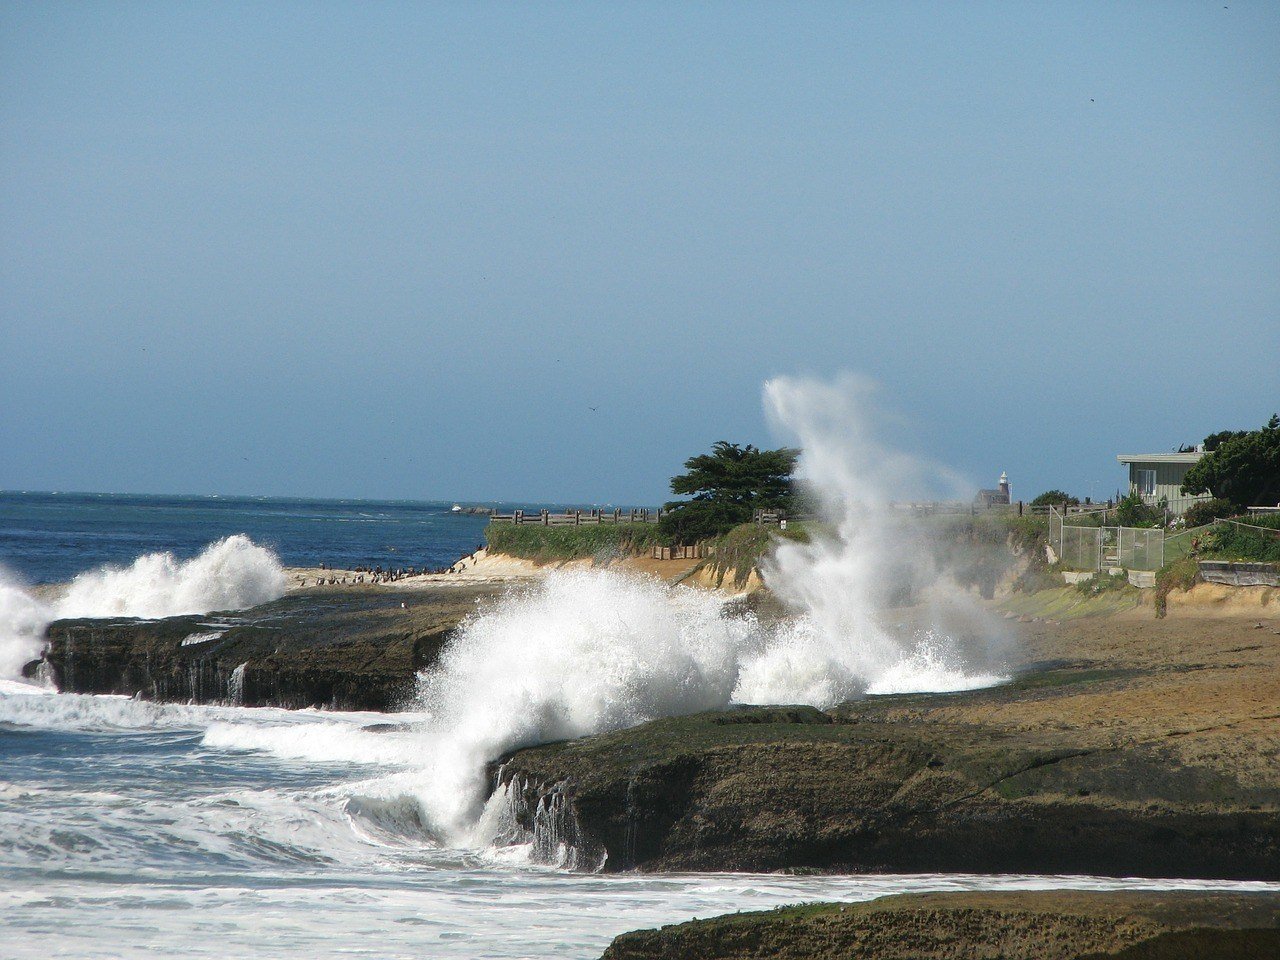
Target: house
x=997, y=497
x=1159, y=476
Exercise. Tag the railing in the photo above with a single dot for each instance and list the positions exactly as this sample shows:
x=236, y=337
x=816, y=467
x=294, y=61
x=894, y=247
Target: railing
x=696, y=551
x=575, y=518
x=1085, y=546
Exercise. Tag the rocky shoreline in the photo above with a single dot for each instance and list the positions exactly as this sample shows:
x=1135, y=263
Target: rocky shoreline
x=1154, y=751
x=1040, y=925
x=1124, y=746
x=354, y=649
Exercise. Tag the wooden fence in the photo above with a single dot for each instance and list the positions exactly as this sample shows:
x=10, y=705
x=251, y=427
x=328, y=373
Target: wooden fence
x=927, y=508
x=696, y=551
x=576, y=518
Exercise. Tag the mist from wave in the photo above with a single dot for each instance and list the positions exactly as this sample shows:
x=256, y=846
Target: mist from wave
x=585, y=651
x=231, y=574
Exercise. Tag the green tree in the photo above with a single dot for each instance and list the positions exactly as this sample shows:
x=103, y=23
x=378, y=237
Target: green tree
x=1242, y=466
x=725, y=486
x=1054, y=498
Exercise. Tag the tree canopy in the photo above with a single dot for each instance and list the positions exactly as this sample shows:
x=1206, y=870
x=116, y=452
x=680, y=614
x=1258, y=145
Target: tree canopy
x=1054, y=498
x=725, y=487
x=1241, y=466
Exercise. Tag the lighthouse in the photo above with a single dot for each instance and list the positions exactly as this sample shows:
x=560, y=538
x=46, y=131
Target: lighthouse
x=1004, y=487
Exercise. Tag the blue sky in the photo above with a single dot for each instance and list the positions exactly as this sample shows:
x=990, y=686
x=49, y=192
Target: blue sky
x=392, y=250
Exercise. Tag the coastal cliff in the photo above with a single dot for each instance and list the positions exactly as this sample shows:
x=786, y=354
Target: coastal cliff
x=1040, y=925
x=1152, y=748
x=347, y=650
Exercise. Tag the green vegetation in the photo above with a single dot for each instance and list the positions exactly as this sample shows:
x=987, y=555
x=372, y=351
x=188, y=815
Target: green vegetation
x=1208, y=511
x=1060, y=602
x=739, y=551
x=1249, y=540
x=726, y=486
x=1101, y=583
x=1241, y=466
x=1055, y=498
x=600, y=541
x=1132, y=511
x=1181, y=574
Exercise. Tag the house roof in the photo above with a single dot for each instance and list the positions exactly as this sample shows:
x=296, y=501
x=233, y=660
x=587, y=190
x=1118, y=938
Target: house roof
x=1190, y=457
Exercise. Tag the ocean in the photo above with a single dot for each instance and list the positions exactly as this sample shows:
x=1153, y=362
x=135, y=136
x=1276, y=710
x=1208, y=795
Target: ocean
x=51, y=537
x=134, y=829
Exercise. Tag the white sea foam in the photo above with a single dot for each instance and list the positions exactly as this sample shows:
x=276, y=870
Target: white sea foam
x=589, y=651
x=578, y=653
x=22, y=622
x=317, y=742
x=841, y=582
x=230, y=574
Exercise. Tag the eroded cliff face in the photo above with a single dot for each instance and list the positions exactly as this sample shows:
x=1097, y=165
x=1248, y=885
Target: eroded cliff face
x=348, y=650
x=1163, y=760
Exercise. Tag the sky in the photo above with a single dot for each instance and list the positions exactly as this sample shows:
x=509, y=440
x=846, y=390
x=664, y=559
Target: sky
x=548, y=251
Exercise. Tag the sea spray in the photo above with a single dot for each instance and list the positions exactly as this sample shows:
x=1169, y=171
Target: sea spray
x=23, y=619
x=587, y=651
x=576, y=653
x=865, y=558
x=229, y=574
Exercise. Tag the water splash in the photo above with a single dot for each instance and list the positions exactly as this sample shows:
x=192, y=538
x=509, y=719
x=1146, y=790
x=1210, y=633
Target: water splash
x=235, y=685
x=577, y=653
x=230, y=574
x=865, y=558
x=23, y=619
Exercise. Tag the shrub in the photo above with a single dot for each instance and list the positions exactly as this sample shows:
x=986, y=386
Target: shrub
x=1232, y=541
x=533, y=541
x=740, y=551
x=1179, y=575
x=1133, y=511
x=1055, y=498
x=1209, y=511
x=1101, y=583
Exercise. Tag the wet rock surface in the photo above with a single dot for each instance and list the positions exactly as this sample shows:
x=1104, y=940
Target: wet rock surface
x=348, y=650
x=1041, y=925
x=1154, y=751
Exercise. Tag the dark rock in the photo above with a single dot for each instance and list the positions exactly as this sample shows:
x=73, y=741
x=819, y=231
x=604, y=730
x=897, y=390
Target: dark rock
x=1040, y=925
x=863, y=790
x=349, y=650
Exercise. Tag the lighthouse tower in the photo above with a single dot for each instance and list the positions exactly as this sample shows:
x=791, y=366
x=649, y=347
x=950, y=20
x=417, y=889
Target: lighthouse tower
x=1004, y=487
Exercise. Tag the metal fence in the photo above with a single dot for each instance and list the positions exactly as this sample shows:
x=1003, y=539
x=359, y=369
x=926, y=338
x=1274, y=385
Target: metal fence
x=1080, y=548
x=1085, y=543
x=1184, y=542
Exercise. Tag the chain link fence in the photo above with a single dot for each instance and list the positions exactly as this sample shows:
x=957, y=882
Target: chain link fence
x=1085, y=544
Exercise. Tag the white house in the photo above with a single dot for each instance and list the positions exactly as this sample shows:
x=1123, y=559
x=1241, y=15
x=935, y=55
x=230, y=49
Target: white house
x=1159, y=476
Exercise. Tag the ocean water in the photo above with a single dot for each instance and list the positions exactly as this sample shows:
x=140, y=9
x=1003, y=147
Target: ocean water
x=138, y=830
x=132, y=829
x=51, y=537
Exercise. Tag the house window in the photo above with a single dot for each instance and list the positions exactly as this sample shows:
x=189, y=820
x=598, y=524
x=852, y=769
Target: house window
x=1144, y=481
